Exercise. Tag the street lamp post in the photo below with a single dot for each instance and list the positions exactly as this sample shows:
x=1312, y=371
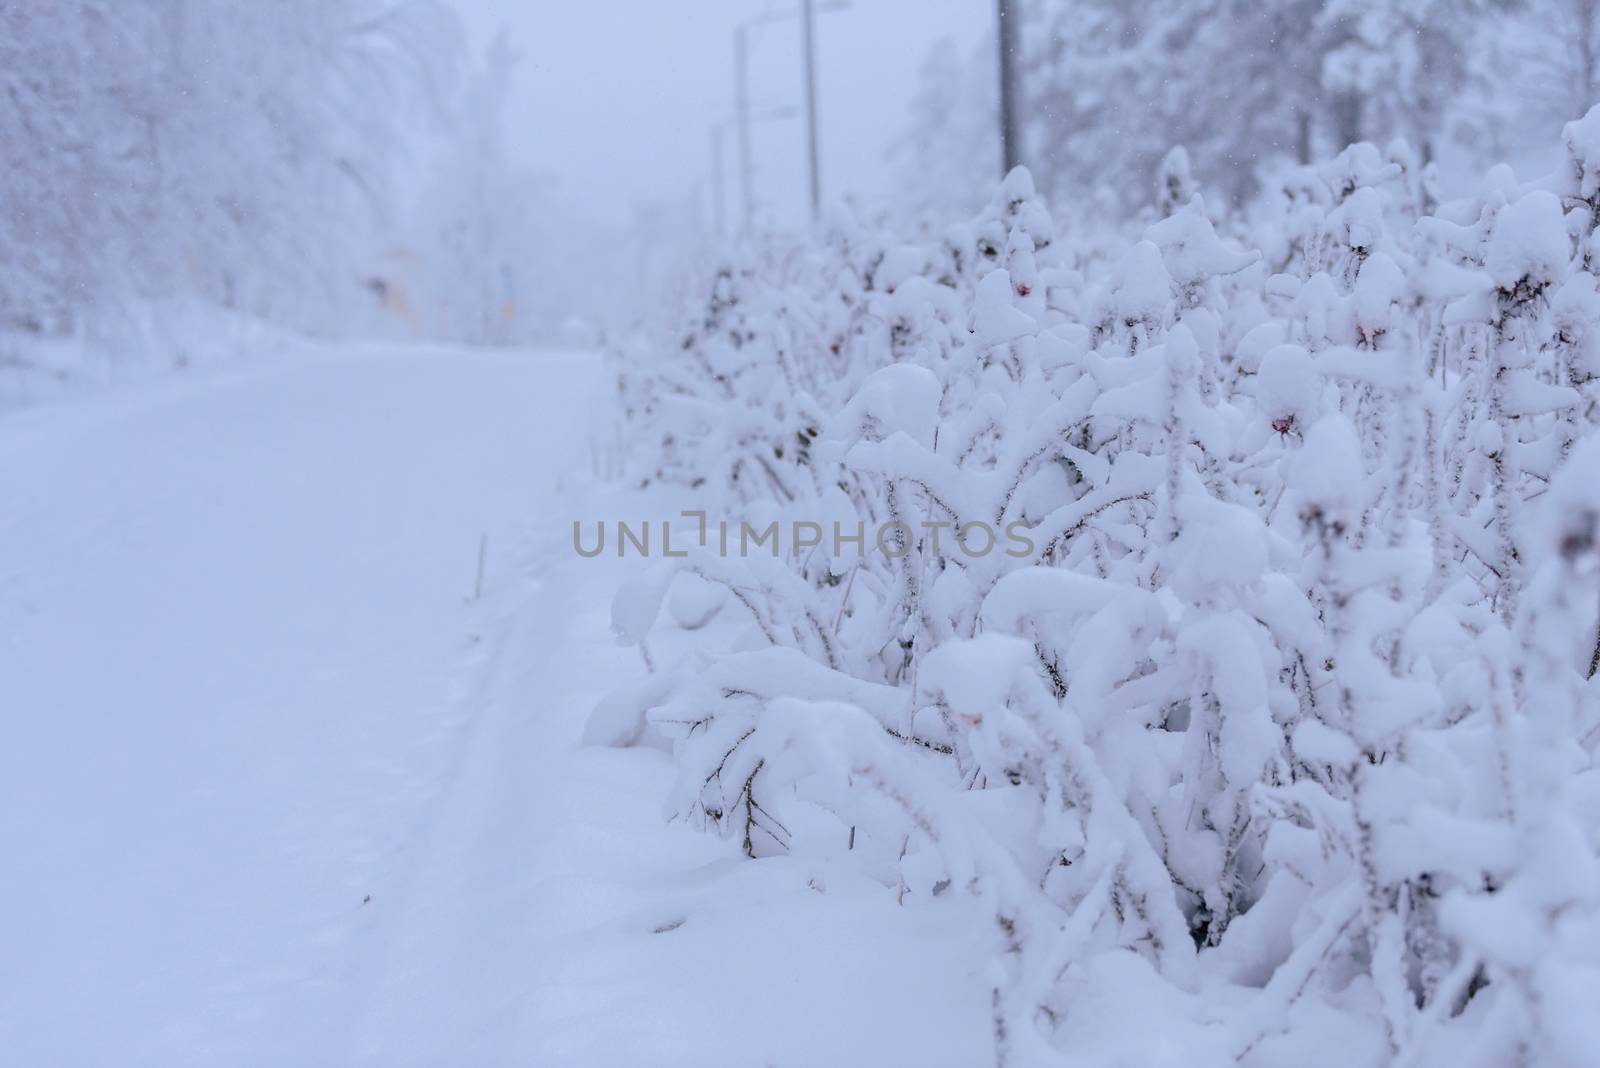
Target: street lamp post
x=719, y=185
x=719, y=196
x=741, y=107
x=741, y=89
x=808, y=33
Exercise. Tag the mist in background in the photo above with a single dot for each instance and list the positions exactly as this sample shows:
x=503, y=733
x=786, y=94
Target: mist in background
x=611, y=110
x=614, y=116
x=615, y=102
x=483, y=173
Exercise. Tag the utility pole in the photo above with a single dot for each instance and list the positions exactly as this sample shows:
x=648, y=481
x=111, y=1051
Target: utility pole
x=719, y=187
x=808, y=31
x=741, y=107
x=1010, y=134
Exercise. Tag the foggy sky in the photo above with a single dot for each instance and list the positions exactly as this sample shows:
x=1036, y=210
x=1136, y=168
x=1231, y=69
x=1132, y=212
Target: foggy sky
x=615, y=98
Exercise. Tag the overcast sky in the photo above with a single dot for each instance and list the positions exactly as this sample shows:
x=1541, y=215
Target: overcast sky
x=616, y=98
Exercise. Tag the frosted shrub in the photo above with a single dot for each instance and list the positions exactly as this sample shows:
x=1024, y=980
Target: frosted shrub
x=1274, y=705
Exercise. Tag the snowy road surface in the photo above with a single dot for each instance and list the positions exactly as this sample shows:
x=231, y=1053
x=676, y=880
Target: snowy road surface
x=275, y=789
x=231, y=617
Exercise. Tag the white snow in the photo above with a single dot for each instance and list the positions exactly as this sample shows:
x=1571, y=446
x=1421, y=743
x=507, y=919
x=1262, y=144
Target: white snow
x=1529, y=241
x=277, y=789
x=236, y=658
x=1261, y=728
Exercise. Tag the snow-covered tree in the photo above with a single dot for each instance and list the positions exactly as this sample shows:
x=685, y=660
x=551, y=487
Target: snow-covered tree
x=945, y=157
x=1239, y=84
x=242, y=153
x=1550, y=51
x=1108, y=89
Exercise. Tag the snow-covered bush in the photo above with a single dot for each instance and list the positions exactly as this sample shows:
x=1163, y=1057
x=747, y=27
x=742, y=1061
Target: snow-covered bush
x=1217, y=615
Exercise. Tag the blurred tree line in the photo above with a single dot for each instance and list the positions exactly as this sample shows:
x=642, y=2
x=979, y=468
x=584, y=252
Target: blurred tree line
x=1109, y=87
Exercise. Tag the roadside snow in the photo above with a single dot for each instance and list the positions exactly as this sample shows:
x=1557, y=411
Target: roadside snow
x=133, y=343
x=232, y=615
x=276, y=789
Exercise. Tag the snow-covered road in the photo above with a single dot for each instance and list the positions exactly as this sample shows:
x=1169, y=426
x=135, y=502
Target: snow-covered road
x=235, y=650
x=277, y=789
